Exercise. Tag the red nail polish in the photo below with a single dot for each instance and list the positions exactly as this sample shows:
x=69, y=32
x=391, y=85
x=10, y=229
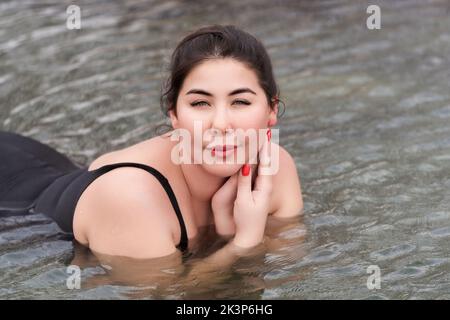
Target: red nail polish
x=245, y=170
x=269, y=134
x=213, y=152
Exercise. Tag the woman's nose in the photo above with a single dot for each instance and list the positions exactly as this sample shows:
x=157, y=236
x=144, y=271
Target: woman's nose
x=220, y=120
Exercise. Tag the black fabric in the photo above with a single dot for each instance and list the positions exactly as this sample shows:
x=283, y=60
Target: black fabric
x=34, y=178
x=26, y=168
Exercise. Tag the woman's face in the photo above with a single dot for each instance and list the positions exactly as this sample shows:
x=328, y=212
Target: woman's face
x=222, y=95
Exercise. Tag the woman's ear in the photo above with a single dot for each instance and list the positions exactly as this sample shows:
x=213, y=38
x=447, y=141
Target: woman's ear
x=273, y=113
x=173, y=118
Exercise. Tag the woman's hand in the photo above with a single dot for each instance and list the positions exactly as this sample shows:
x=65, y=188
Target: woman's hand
x=251, y=207
x=223, y=201
x=222, y=204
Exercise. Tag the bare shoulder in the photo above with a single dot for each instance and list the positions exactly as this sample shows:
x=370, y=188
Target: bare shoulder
x=126, y=210
x=125, y=214
x=287, y=200
x=139, y=152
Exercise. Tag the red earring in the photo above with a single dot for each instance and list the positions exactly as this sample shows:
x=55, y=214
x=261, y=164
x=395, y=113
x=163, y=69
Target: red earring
x=269, y=134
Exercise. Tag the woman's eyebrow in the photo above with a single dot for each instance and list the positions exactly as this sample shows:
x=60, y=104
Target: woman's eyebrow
x=237, y=91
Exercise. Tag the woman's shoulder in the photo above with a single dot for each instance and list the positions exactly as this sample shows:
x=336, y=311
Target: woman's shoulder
x=116, y=198
x=287, y=195
x=125, y=213
x=153, y=151
x=286, y=164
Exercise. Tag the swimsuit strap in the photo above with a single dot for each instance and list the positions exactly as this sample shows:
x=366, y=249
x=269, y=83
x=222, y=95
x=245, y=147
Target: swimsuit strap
x=165, y=183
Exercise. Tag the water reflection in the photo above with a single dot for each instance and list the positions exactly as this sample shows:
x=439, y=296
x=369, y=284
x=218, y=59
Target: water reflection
x=193, y=275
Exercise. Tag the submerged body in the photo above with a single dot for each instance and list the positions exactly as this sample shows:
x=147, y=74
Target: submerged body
x=115, y=206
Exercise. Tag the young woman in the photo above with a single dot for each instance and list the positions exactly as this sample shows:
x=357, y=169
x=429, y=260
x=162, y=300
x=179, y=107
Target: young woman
x=138, y=202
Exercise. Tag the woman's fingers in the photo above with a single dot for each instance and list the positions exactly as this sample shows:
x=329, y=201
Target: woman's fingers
x=222, y=205
x=225, y=196
x=263, y=181
x=264, y=153
x=229, y=188
x=244, y=189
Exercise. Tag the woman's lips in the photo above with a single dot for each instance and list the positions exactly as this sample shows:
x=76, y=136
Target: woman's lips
x=223, y=150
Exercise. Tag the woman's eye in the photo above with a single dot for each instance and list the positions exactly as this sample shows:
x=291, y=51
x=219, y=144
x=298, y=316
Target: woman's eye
x=199, y=103
x=242, y=102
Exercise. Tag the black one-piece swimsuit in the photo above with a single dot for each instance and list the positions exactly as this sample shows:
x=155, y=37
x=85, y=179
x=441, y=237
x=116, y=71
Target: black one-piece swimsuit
x=35, y=178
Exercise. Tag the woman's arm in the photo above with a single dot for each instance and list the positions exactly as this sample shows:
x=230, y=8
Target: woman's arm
x=163, y=272
x=196, y=273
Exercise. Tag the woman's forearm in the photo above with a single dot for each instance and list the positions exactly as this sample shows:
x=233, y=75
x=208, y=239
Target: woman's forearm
x=221, y=260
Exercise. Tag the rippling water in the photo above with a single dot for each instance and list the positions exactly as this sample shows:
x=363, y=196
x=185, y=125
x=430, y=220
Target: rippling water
x=367, y=120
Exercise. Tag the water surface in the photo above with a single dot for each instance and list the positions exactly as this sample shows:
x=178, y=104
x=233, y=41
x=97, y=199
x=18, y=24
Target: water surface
x=367, y=121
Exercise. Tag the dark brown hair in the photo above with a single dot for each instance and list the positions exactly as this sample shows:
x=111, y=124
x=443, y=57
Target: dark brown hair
x=212, y=42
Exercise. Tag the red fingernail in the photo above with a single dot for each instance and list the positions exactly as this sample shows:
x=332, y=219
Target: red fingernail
x=213, y=152
x=269, y=134
x=245, y=170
